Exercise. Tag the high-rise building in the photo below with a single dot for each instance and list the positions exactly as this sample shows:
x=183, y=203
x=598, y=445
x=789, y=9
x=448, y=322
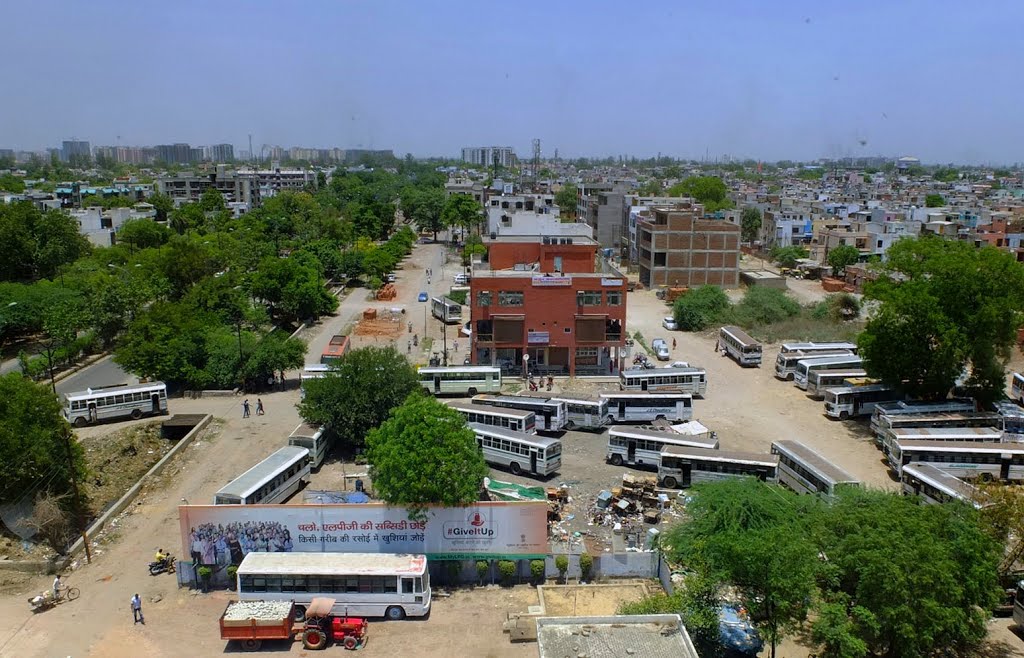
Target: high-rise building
x=487, y=156
x=222, y=152
x=176, y=153
x=75, y=149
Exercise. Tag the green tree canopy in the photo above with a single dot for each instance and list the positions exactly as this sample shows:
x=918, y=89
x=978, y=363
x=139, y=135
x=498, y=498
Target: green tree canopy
x=462, y=211
x=842, y=256
x=788, y=256
x=707, y=190
x=359, y=392
x=11, y=183
x=162, y=204
x=699, y=307
x=934, y=201
x=566, y=199
x=212, y=200
x=33, y=452
x=750, y=223
x=946, y=308
x=37, y=244
x=424, y=454
x=143, y=233
x=423, y=206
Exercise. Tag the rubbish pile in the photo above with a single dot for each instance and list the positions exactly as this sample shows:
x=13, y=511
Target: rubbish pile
x=629, y=510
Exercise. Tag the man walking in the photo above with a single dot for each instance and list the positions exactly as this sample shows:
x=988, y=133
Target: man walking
x=259, y=407
x=245, y=408
x=137, y=609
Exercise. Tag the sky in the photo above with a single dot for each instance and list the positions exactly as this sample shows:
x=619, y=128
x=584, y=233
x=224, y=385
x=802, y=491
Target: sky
x=799, y=80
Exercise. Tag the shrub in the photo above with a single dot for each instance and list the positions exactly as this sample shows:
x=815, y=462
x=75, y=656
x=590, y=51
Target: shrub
x=586, y=565
x=481, y=570
x=843, y=306
x=788, y=256
x=562, y=564
x=454, y=568
x=507, y=570
x=204, y=572
x=232, y=573
x=537, y=570
x=458, y=296
x=765, y=306
x=698, y=308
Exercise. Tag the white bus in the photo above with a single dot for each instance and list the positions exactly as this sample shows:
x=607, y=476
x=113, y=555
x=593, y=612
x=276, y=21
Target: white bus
x=1012, y=420
x=363, y=584
x=896, y=435
x=311, y=371
x=518, y=420
x=551, y=414
x=819, y=380
x=115, y=402
x=584, y=413
x=935, y=486
x=788, y=348
x=805, y=367
x=963, y=459
x=318, y=440
x=682, y=466
x=785, y=362
x=517, y=451
x=1017, y=388
x=844, y=402
x=805, y=471
x=461, y=380
x=736, y=343
x=629, y=407
x=916, y=407
x=446, y=310
x=268, y=482
x=964, y=419
x=643, y=447
x=690, y=380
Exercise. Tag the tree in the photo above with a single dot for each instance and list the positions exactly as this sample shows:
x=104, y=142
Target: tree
x=274, y=354
x=143, y=233
x=212, y=200
x=359, y=392
x=11, y=183
x=750, y=223
x=764, y=306
x=699, y=307
x=424, y=206
x=566, y=200
x=188, y=216
x=167, y=341
x=461, y=211
x=788, y=256
x=934, y=201
x=33, y=448
x=710, y=191
x=424, y=454
x=842, y=256
x=162, y=204
x=696, y=601
x=958, y=306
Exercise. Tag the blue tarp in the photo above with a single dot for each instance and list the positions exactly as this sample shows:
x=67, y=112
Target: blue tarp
x=736, y=633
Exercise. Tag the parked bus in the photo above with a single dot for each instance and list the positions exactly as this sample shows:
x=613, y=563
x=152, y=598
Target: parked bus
x=517, y=420
x=805, y=471
x=963, y=459
x=788, y=348
x=311, y=371
x=785, y=362
x=819, y=380
x=643, y=447
x=935, y=486
x=629, y=407
x=844, y=402
x=1012, y=420
x=551, y=414
x=517, y=451
x=894, y=436
x=918, y=407
x=364, y=584
x=584, y=413
x=461, y=380
x=805, y=367
x=446, y=310
x=115, y=403
x=887, y=424
x=684, y=380
x=736, y=343
x=336, y=348
x=268, y=482
x=683, y=466
x=318, y=440
x=1017, y=388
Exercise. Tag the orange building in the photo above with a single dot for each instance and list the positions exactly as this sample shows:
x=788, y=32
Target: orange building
x=551, y=300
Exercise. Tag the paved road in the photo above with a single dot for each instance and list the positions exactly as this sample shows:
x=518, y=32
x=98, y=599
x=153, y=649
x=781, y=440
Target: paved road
x=102, y=373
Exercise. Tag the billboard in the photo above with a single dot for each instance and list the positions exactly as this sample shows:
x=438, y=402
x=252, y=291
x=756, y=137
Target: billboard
x=224, y=534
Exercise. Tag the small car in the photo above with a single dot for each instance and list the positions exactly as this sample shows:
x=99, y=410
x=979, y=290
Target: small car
x=390, y=278
x=422, y=297
x=461, y=279
x=669, y=323
x=466, y=329
x=660, y=349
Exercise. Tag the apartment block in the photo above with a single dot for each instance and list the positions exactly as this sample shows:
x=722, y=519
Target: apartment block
x=488, y=156
x=188, y=187
x=680, y=247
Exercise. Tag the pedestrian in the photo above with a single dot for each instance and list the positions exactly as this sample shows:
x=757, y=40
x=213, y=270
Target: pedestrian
x=137, y=609
x=455, y=346
x=245, y=408
x=673, y=343
x=717, y=344
x=259, y=407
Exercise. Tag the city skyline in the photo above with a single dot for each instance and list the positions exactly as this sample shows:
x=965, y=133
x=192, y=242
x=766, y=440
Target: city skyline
x=796, y=82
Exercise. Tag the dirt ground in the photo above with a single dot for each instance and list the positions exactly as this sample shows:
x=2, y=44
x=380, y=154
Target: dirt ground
x=592, y=600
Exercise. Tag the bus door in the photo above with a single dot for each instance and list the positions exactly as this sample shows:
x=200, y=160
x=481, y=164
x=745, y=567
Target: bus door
x=93, y=416
x=686, y=469
x=643, y=383
x=533, y=461
x=1004, y=467
x=156, y=403
x=622, y=409
x=547, y=421
x=437, y=383
x=631, y=451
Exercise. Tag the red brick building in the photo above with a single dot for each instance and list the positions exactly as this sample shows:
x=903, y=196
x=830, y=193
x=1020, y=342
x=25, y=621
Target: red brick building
x=547, y=298
x=681, y=247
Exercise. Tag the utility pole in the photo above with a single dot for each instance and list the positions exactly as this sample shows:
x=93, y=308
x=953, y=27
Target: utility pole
x=78, y=501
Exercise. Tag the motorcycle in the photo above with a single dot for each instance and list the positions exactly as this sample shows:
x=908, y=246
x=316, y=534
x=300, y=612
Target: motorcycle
x=166, y=565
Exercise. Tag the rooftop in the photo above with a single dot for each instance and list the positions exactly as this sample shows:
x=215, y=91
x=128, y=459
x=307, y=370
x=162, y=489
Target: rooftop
x=651, y=636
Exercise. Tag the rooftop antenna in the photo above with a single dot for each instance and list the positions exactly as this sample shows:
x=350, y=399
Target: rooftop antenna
x=251, y=156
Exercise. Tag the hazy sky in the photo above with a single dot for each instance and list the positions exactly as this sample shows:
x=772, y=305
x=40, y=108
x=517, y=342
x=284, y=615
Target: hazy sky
x=754, y=78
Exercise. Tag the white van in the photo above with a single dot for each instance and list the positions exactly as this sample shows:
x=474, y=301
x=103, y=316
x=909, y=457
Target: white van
x=461, y=279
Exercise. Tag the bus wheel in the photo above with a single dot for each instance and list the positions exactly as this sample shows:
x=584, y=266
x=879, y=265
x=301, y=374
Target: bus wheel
x=515, y=468
x=136, y=414
x=396, y=613
x=80, y=421
x=616, y=460
x=669, y=482
x=843, y=415
x=472, y=391
x=314, y=638
x=986, y=477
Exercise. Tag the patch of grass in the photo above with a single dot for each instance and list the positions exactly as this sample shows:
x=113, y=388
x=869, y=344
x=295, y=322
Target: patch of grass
x=807, y=328
x=116, y=461
x=639, y=338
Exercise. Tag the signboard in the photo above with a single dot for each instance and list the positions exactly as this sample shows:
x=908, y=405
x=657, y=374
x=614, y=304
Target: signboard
x=223, y=534
x=538, y=338
x=611, y=282
x=552, y=280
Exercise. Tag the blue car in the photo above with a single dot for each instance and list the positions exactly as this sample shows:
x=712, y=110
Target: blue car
x=422, y=297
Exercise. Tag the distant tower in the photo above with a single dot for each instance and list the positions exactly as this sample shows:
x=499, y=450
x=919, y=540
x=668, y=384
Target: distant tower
x=536, y=160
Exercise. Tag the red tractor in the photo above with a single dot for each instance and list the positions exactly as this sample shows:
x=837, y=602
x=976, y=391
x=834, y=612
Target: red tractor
x=322, y=626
